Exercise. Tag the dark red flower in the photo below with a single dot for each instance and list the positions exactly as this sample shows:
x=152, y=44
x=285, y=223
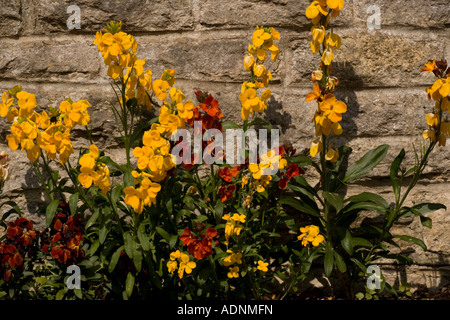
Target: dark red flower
x=292, y=171
x=199, y=246
x=226, y=193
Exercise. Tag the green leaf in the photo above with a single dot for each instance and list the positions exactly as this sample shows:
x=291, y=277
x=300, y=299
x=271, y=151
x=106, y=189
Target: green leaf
x=173, y=241
x=15, y=208
x=411, y=239
x=301, y=160
x=163, y=233
x=340, y=263
x=102, y=233
x=395, y=180
x=143, y=238
x=366, y=164
x=110, y=163
x=428, y=207
x=129, y=244
x=347, y=243
x=114, y=259
x=129, y=284
x=60, y=294
x=51, y=211
x=137, y=260
x=230, y=125
x=334, y=199
x=368, y=197
x=329, y=259
x=78, y=293
x=300, y=206
x=92, y=219
x=361, y=242
x=73, y=203
x=219, y=210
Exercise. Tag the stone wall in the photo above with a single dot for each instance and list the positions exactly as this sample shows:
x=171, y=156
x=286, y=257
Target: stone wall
x=205, y=40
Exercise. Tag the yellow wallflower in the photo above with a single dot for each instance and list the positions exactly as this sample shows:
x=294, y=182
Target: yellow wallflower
x=332, y=154
x=263, y=266
x=184, y=264
x=310, y=234
x=315, y=9
x=26, y=102
x=429, y=134
x=143, y=196
x=233, y=225
x=25, y=133
x=160, y=88
x=75, y=113
x=333, y=41
x=327, y=56
x=233, y=258
x=233, y=272
x=185, y=110
x=249, y=61
x=7, y=102
x=335, y=4
x=259, y=37
x=94, y=172
x=176, y=95
x=333, y=108
x=316, y=147
x=56, y=140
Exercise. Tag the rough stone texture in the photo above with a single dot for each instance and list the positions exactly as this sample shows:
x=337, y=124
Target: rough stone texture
x=205, y=40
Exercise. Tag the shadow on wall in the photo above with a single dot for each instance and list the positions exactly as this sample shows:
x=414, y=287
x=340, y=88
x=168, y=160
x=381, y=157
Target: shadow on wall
x=277, y=117
x=32, y=191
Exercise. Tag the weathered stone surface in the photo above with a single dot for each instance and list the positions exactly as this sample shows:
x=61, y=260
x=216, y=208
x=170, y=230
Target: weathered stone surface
x=279, y=13
x=49, y=16
x=423, y=14
x=386, y=58
x=10, y=17
x=71, y=59
x=214, y=57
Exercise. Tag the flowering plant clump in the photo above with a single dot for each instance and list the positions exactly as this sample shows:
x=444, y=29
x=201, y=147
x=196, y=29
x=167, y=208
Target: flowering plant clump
x=176, y=222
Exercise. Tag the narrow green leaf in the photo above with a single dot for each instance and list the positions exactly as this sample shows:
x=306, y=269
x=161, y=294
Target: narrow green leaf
x=219, y=210
x=163, y=233
x=92, y=219
x=73, y=203
x=334, y=199
x=78, y=293
x=129, y=284
x=329, y=259
x=102, y=233
x=366, y=164
x=114, y=259
x=173, y=241
x=411, y=239
x=368, y=197
x=51, y=211
x=361, y=242
x=230, y=125
x=395, y=180
x=137, y=260
x=428, y=207
x=300, y=206
x=60, y=294
x=346, y=242
x=143, y=238
x=340, y=263
x=129, y=244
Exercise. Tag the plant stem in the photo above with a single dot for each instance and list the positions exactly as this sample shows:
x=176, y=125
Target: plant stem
x=213, y=182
